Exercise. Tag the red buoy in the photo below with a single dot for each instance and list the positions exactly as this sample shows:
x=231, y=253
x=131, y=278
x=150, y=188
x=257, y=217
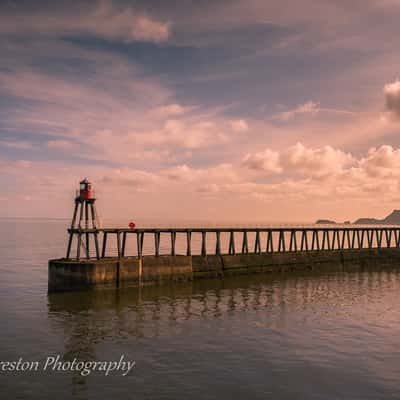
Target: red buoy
x=132, y=225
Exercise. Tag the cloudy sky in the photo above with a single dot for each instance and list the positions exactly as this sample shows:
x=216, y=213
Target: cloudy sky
x=223, y=110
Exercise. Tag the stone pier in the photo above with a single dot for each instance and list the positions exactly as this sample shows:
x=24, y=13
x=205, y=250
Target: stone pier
x=67, y=275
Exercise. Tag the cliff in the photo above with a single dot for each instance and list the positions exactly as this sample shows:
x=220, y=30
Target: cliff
x=392, y=219
x=325, y=221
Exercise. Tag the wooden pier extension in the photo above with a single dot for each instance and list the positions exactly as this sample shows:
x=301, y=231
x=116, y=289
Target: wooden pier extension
x=217, y=252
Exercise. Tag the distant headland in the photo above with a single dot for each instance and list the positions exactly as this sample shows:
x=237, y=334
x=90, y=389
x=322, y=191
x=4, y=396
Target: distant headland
x=392, y=219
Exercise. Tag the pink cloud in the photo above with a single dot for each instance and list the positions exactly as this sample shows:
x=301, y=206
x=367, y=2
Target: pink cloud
x=381, y=162
x=299, y=160
x=267, y=161
x=326, y=160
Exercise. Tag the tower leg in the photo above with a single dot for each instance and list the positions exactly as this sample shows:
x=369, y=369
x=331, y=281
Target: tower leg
x=80, y=215
x=94, y=226
x=103, y=251
x=78, y=250
x=71, y=235
x=95, y=222
x=86, y=227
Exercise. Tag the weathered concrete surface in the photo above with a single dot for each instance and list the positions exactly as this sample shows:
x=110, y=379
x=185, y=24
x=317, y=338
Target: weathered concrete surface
x=72, y=275
x=166, y=268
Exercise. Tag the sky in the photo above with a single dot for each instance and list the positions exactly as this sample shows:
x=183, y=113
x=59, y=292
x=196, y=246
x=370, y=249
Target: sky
x=223, y=110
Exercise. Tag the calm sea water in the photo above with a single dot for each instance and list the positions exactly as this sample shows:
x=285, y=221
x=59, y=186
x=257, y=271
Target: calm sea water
x=332, y=336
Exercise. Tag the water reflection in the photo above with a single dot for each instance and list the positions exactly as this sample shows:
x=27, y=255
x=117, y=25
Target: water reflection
x=301, y=312
x=89, y=317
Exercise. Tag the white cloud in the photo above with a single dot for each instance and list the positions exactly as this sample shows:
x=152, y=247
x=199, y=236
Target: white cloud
x=322, y=161
x=218, y=173
x=185, y=134
x=381, y=162
x=310, y=107
x=392, y=98
x=299, y=160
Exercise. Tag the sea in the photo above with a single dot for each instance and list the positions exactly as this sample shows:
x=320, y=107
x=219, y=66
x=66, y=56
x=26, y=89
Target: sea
x=300, y=336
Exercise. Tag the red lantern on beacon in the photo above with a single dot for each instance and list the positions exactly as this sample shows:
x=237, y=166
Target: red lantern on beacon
x=132, y=225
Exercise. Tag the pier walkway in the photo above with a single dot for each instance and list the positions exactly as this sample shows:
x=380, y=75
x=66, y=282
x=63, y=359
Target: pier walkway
x=230, y=241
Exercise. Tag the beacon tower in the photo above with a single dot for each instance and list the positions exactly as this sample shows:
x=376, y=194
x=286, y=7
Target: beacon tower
x=86, y=226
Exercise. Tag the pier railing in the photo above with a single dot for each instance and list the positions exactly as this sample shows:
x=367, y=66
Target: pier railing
x=231, y=241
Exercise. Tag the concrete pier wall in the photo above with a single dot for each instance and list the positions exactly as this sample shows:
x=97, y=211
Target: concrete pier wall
x=65, y=275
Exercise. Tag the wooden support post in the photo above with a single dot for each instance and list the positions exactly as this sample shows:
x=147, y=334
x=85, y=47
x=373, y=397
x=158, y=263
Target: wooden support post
x=304, y=241
x=119, y=244
x=323, y=239
x=123, y=244
x=388, y=236
x=343, y=239
x=173, y=240
x=270, y=242
x=362, y=238
x=103, y=250
x=293, y=241
x=218, y=243
x=189, y=243
x=333, y=240
x=281, y=242
x=337, y=240
x=232, y=250
x=139, y=243
x=348, y=239
x=203, y=244
x=245, y=245
x=379, y=233
x=157, y=243
x=397, y=237
x=315, y=240
x=257, y=243
x=370, y=238
x=353, y=239
x=358, y=238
